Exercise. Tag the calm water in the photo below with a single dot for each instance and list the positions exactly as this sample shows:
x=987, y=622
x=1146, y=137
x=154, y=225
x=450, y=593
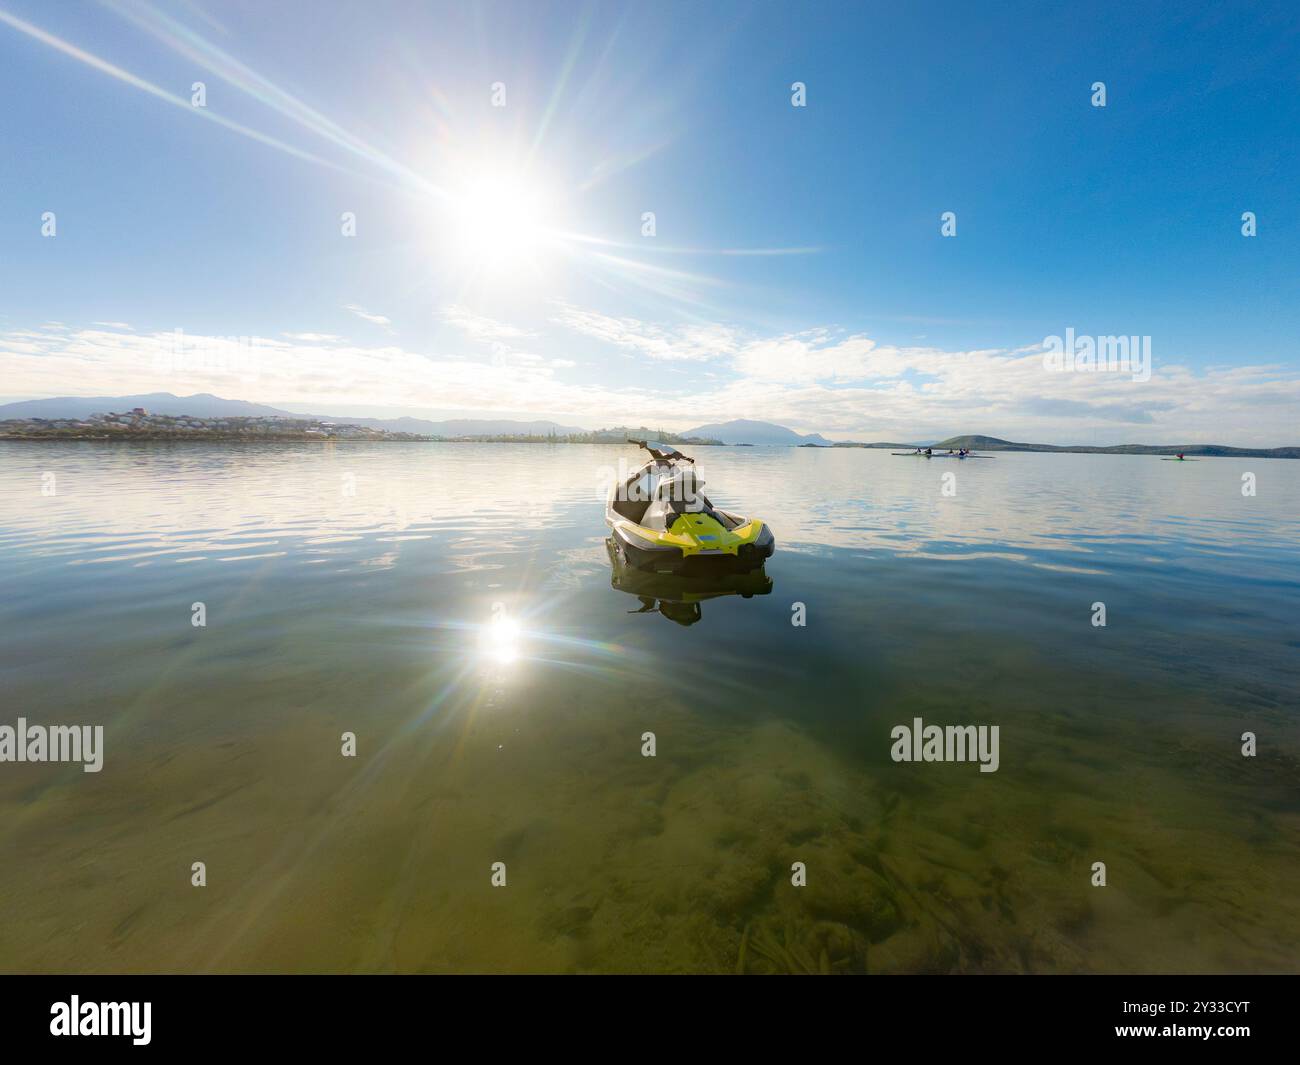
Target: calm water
x=352, y=588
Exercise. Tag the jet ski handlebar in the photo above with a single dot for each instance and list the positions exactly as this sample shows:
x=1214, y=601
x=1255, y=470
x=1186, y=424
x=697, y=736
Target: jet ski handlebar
x=663, y=453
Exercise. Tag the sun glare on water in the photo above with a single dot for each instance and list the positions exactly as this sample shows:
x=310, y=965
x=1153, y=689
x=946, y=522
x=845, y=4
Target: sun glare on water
x=499, y=640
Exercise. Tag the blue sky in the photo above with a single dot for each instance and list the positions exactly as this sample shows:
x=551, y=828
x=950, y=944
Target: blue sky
x=797, y=272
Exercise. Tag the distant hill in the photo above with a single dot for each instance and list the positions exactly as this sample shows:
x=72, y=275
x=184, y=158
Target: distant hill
x=199, y=405
x=741, y=431
x=206, y=405
x=621, y=433
x=992, y=443
x=461, y=426
x=988, y=443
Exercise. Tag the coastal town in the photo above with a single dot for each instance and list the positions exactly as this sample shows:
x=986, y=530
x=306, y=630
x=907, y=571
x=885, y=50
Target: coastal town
x=140, y=424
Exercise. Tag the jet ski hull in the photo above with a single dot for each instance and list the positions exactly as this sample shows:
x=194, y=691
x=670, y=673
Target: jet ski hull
x=642, y=549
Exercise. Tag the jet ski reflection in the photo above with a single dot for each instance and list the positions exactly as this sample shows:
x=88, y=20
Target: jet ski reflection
x=675, y=597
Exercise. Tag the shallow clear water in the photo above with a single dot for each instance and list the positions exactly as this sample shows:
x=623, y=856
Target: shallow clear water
x=352, y=588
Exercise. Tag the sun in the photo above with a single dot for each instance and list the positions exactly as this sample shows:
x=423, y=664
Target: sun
x=502, y=222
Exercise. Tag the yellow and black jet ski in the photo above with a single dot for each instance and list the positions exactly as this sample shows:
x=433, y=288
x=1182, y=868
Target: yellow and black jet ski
x=662, y=521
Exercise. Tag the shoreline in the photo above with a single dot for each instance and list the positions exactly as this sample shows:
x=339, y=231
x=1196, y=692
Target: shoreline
x=1136, y=450
x=215, y=438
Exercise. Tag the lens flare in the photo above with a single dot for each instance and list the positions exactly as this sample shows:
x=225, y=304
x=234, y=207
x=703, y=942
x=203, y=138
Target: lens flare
x=499, y=640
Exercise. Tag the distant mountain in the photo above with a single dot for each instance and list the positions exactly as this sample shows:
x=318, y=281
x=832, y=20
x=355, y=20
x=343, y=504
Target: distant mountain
x=199, y=405
x=741, y=431
x=460, y=426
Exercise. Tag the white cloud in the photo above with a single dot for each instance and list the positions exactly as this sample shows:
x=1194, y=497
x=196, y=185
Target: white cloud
x=480, y=327
x=327, y=375
x=849, y=386
x=814, y=356
x=691, y=342
x=1012, y=396
x=373, y=319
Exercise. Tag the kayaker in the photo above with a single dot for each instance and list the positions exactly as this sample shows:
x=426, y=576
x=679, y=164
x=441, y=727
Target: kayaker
x=1180, y=457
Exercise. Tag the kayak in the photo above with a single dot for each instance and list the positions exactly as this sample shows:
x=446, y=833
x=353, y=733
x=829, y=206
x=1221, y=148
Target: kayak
x=1177, y=460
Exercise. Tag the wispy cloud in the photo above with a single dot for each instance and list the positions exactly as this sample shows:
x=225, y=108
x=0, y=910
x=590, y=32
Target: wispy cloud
x=693, y=342
x=849, y=385
x=325, y=374
x=480, y=327
x=366, y=316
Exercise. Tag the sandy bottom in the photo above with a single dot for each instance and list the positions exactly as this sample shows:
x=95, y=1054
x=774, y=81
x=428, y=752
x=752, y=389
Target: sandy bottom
x=620, y=863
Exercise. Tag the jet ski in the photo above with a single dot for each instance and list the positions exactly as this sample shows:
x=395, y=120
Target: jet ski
x=679, y=598
x=661, y=520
